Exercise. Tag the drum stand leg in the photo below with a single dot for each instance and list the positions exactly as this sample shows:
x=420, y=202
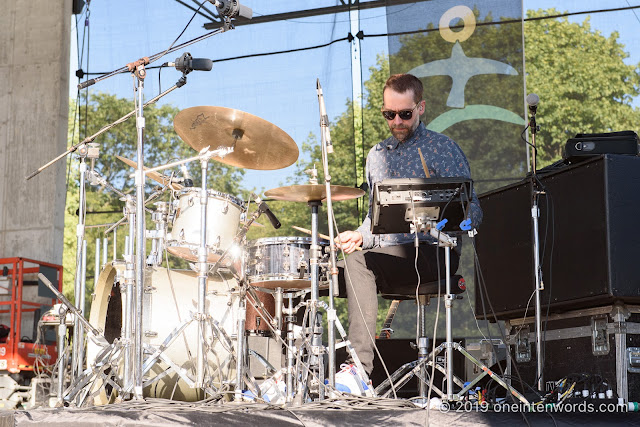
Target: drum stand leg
x=78, y=340
x=128, y=293
x=62, y=352
x=202, y=275
x=240, y=365
x=290, y=320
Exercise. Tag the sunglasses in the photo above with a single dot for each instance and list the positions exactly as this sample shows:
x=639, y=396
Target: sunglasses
x=404, y=114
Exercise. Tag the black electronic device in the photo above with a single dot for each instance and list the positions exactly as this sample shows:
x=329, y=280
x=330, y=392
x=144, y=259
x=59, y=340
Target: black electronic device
x=397, y=201
x=590, y=144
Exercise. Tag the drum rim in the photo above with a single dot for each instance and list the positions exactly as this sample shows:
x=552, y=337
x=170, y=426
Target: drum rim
x=283, y=277
x=213, y=193
x=281, y=239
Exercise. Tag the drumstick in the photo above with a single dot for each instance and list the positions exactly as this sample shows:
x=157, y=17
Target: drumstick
x=324, y=236
x=424, y=164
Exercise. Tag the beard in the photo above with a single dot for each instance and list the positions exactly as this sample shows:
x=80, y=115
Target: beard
x=401, y=132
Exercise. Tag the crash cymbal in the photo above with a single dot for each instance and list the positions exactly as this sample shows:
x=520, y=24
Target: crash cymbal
x=313, y=192
x=157, y=177
x=258, y=143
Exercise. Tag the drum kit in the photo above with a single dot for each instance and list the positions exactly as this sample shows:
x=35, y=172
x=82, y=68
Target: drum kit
x=245, y=322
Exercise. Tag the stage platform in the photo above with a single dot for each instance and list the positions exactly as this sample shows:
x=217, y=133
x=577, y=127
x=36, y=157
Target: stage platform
x=366, y=413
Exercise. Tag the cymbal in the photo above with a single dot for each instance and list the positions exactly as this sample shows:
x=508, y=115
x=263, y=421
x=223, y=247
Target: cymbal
x=157, y=177
x=313, y=192
x=259, y=144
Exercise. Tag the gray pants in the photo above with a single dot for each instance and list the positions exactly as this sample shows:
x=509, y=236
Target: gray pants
x=381, y=270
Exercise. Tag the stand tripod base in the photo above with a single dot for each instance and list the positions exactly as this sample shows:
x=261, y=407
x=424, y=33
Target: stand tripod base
x=420, y=369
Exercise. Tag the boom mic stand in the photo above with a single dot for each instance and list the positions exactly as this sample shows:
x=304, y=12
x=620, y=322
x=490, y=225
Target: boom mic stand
x=532, y=100
x=327, y=148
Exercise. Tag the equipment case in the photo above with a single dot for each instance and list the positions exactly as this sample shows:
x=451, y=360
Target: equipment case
x=602, y=341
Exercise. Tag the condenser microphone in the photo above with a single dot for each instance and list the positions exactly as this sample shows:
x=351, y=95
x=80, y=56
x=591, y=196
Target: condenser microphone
x=532, y=102
x=187, y=64
x=324, y=119
x=232, y=8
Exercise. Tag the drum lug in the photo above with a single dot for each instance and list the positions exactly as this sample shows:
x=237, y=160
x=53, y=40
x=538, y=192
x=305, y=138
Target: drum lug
x=150, y=334
x=286, y=266
x=259, y=267
x=225, y=207
x=149, y=289
x=286, y=251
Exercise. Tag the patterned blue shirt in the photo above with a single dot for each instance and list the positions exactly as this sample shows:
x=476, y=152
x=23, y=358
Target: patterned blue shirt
x=394, y=159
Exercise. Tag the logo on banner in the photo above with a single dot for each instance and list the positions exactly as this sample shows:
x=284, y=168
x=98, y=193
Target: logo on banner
x=461, y=68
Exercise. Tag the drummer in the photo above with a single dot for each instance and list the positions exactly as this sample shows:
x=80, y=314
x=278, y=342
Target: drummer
x=387, y=260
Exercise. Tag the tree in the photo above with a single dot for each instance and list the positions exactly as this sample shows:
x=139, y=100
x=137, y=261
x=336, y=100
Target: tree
x=582, y=80
x=162, y=145
x=577, y=98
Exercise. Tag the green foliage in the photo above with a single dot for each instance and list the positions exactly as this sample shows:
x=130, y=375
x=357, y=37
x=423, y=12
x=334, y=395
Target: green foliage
x=162, y=146
x=577, y=72
x=582, y=80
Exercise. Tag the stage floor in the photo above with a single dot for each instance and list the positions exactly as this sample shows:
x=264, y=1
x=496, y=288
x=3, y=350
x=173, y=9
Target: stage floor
x=373, y=412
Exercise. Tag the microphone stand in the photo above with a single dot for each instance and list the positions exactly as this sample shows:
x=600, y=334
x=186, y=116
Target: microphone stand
x=539, y=285
x=333, y=269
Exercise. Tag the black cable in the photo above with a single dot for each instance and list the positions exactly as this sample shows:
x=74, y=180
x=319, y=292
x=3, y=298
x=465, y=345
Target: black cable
x=482, y=286
x=507, y=21
x=254, y=55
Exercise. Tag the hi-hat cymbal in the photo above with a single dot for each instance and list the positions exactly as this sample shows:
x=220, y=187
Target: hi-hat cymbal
x=157, y=177
x=258, y=143
x=313, y=192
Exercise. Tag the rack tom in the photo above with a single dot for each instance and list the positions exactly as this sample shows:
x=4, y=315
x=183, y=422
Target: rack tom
x=223, y=219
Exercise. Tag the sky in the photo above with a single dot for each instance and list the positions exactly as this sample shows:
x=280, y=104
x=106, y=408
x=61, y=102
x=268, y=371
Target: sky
x=279, y=88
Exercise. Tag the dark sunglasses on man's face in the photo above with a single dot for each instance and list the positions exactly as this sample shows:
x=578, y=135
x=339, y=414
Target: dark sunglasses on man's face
x=404, y=114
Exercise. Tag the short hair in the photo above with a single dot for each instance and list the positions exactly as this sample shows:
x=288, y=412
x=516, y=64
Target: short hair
x=403, y=82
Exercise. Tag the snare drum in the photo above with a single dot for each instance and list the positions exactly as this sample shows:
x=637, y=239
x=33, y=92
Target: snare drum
x=223, y=219
x=279, y=262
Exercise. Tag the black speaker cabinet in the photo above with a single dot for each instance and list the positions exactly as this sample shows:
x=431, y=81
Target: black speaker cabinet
x=588, y=232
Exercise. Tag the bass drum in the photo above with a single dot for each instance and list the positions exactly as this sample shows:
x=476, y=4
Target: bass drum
x=170, y=300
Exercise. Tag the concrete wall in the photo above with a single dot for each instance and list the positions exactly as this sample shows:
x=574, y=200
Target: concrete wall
x=34, y=98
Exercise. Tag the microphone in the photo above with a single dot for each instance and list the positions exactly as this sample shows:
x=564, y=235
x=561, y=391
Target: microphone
x=187, y=64
x=231, y=8
x=532, y=102
x=264, y=208
x=324, y=119
x=188, y=182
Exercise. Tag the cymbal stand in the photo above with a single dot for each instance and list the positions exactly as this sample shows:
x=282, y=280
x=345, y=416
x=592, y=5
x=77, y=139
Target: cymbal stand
x=84, y=152
x=316, y=360
x=327, y=148
x=202, y=274
x=139, y=71
x=128, y=293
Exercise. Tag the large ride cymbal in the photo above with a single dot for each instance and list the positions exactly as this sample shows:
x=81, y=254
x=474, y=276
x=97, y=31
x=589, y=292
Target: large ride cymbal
x=258, y=143
x=157, y=177
x=313, y=192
